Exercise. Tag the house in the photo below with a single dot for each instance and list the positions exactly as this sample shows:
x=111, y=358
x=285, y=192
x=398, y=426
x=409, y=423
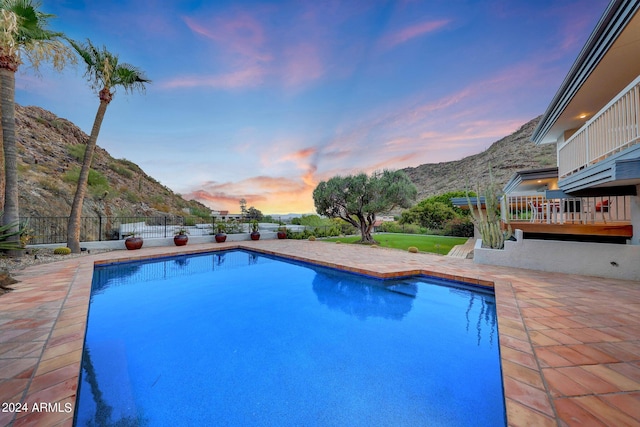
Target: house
x=584, y=217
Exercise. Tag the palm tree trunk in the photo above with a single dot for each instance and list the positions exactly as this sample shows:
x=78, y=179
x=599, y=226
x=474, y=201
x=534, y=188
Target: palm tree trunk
x=1, y=168
x=7, y=103
x=73, y=227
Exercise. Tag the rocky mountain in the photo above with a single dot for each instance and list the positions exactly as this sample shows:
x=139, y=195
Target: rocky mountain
x=50, y=153
x=51, y=149
x=506, y=156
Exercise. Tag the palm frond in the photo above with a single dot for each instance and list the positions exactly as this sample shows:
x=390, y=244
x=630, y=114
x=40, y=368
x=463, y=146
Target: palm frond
x=103, y=69
x=130, y=78
x=23, y=28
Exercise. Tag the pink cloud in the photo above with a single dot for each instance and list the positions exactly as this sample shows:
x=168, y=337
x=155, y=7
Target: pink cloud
x=302, y=64
x=411, y=32
x=240, y=35
x=268, y=194
x=247, y=77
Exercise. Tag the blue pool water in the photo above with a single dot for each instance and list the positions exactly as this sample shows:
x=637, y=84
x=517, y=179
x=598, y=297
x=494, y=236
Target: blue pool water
x=239, y=339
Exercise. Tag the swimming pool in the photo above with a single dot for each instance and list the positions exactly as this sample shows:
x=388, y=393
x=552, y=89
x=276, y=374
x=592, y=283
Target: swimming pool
x=237, y=338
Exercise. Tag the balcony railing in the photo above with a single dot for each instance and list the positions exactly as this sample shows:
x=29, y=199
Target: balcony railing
x=574, y=210
x=610, y=131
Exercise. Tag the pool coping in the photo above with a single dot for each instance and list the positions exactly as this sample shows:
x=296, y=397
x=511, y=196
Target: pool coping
x=57, y=345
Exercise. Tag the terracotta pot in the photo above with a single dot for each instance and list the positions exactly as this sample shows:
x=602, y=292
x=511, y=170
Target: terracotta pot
x=255, y=235
x=180, y=239
x=133, y=243
x=221, y=237
x=282, y=234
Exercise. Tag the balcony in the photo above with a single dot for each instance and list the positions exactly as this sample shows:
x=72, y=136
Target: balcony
x=612, y=130
x=608, y=216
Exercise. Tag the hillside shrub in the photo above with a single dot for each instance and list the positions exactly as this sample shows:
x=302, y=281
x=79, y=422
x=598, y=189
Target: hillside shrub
x=130, y=196
x=129, y=165
x=77, y=151
x=98, y=184
x=201, y=212
x=120, y=170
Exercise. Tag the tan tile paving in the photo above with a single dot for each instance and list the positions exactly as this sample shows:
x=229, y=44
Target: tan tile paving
x=569, y=344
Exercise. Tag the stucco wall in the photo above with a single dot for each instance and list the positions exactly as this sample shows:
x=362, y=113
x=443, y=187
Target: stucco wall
x=148, y=242
x=591, y=259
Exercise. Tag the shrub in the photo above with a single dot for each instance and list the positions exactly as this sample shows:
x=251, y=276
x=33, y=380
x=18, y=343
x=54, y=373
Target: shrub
x=121, y=170
x=97, y=182
x=413, y=249
x=429, y=213
x=312, y=238
x=394, y=227
x=77, y=151
x=459, y=227
x=201, y=213
x=129, y=165
x=130, y=196
x=62, y=251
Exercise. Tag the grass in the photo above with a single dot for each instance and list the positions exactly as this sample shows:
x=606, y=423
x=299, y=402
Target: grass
x=434, y=244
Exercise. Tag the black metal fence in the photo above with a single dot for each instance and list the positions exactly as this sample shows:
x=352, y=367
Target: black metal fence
x=53, y=230
x=42, y=230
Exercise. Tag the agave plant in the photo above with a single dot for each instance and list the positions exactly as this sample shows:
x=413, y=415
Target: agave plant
x=7, y=231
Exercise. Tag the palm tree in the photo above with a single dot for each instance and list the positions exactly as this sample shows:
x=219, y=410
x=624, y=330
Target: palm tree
x=104, y=73
x=23, y=33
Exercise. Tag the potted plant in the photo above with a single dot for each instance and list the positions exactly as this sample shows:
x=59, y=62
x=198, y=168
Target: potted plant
x=255, y=234
x=282, y=232
x=133, y=242
x=221, y=236
x=181, y=238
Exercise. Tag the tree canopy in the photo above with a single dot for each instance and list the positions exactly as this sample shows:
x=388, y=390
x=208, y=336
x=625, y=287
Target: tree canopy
x=435, y=212
x=357, y=199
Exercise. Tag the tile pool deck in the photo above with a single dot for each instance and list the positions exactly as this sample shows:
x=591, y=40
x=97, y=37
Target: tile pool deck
x=570, y=344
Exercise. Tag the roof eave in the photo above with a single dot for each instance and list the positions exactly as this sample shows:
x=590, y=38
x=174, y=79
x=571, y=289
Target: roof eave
x=609, y=27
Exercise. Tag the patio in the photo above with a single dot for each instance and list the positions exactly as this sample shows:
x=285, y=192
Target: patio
x=570, y=344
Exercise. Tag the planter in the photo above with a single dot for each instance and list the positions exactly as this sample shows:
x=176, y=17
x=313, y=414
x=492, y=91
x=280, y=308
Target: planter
x=221, y=237
x=282, y=234
x=133, y=243
x=180, y=239
x=255, y=235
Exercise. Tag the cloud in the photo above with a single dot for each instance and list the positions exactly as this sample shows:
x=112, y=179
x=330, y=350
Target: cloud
x=247, y=77
x=302, y=64
x=268, y=194
x=411, y=32
x=241, y=35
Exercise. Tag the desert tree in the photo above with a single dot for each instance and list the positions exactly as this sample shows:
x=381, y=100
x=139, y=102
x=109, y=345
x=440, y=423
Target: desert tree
x=105, y=73
x=23, y=36
x=357, y=199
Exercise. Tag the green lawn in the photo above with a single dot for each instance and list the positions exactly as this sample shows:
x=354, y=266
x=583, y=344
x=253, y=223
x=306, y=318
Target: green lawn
x=435, y=244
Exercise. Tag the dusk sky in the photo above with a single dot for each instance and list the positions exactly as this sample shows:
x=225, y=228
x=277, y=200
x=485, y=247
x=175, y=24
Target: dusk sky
x=262, y=100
